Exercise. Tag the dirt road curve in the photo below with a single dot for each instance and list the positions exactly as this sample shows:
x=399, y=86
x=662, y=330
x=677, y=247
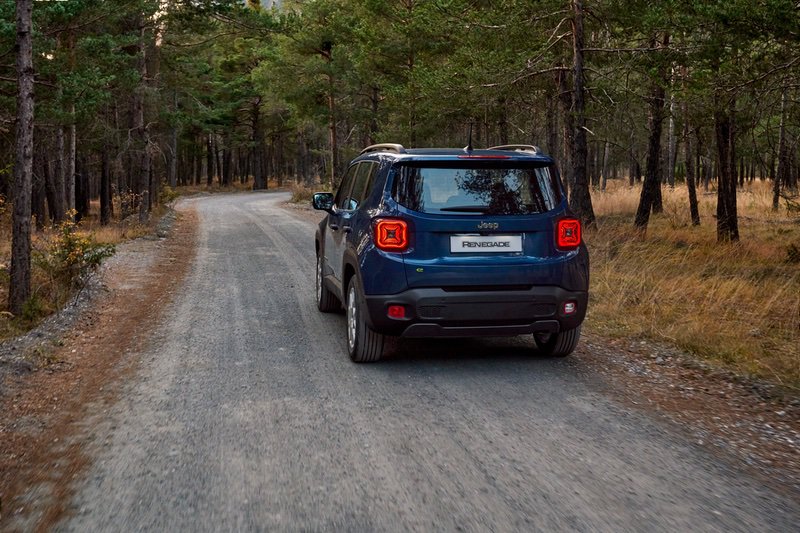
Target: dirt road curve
x=246, y=414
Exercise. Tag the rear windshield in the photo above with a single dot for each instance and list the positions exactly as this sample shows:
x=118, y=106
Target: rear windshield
x=477, y=190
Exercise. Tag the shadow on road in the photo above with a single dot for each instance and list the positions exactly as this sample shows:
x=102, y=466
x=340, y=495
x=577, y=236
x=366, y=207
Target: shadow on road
x=469, y=351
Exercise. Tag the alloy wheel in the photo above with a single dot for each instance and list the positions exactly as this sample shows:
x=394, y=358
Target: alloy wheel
x=319, y=279
x=352, y=318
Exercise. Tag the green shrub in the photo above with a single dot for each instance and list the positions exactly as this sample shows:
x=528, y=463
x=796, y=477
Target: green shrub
x=168, y=194
x=33, y=309
x=71, y=256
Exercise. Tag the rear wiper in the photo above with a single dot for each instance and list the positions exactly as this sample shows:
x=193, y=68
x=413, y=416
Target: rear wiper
x=466, y=208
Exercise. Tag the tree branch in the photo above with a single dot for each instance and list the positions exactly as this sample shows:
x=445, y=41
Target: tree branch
x=199, y=43
x=525, y=76
x=763, y=76
x=37, y=82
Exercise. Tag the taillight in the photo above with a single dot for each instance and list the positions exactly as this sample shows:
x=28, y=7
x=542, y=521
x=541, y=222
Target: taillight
x=391, y=234
x=568, y=234
x=396, y=311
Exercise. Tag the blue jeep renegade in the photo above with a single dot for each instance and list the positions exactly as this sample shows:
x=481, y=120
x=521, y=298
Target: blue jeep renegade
x=452, y=243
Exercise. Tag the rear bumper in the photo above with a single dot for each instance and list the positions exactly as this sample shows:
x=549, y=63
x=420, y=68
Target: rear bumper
x=435, y=312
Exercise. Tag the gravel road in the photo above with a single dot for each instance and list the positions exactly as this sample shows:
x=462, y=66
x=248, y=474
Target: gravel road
x=247, y=414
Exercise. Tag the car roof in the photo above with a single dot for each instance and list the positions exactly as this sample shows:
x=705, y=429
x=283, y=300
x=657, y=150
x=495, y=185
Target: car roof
x=444, y=154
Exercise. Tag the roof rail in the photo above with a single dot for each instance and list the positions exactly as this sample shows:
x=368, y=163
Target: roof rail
x=517, y=148
x=385, y=147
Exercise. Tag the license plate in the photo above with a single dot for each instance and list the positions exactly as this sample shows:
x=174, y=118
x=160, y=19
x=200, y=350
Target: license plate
x=485, y=244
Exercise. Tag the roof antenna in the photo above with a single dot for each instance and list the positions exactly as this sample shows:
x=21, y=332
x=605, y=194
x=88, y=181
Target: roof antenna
x=468, y=148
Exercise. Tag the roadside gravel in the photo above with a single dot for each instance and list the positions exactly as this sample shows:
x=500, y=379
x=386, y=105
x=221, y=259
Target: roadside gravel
x=34, y=350
x=70, y=368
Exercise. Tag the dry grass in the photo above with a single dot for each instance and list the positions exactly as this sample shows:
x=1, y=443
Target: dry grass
x=50, y=295
x=302, y=193
x=735, y=304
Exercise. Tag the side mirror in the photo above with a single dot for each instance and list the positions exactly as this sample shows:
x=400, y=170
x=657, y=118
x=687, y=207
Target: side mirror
x=322, y=201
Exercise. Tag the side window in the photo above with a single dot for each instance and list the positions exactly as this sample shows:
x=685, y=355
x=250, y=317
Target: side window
x=361, y=184
x=342, y=195
x=370, y=180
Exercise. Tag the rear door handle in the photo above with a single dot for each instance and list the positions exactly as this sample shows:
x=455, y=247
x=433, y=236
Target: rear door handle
x=334, y=227
x=347, y=229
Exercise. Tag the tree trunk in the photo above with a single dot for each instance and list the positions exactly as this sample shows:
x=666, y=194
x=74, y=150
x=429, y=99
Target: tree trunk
x=712, y=170
x=727, y=220
x=140, y=129
x=69, y=168
x=580, y=200
x=672, y=144
x=217, y=160
x=373, y=120
x=742, y=172
x=334, y=142
x=38, y=193
x=234, y=165
x=502, y=125
x=119, y=164
x=50, y=186
x=153, y=188
x=650, y=198
x=81, y=190
x=552, y=128
x=606, y=156
x=691, y=178
x=270, y=161
x=20, y=287
x=565, y=96
x=197, y=162
x=258, y=148
x=706, y=164
x=782, y=177
x=105, y=188
x=690, y=172
x=173, y=161
x=209, y=161
x=411, y=84
x=306, y=166
x=591, y=166
x=226, y=166
x=277, y=153
x=633, y=176
x=60, y=204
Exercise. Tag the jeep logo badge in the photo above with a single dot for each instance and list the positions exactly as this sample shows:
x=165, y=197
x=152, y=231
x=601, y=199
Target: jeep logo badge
x=488, y=225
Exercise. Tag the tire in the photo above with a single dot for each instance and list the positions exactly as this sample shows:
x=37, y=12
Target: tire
x=363, y=344
x=326, y=301
x=559, y=344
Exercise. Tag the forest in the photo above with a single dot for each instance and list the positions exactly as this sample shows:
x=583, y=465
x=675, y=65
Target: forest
x=108, y=107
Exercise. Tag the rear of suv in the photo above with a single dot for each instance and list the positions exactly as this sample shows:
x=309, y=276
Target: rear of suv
x=452, y=243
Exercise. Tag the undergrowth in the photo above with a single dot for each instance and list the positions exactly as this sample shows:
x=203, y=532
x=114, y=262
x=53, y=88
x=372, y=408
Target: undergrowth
x=301, y=193
x=737, y=304
x=66, y=258
x=62, y=260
